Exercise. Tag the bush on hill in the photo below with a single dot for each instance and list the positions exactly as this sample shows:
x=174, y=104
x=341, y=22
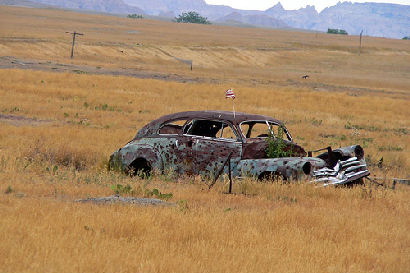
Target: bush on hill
x=135, y=16
x=336, y=31
x=192, y=17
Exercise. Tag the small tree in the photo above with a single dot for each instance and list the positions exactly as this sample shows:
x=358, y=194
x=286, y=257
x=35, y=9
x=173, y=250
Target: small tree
x=277, y=146
x=342, y=31
x=135, y=16
x=192, y=17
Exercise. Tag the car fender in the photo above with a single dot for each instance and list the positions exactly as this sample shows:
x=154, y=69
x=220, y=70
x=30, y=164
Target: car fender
x=287, y=167
x=128, y=154
x=351, y=151
x=343, y=153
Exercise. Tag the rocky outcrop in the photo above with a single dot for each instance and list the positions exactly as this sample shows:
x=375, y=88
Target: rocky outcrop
x=261, y=20
x=304, y=18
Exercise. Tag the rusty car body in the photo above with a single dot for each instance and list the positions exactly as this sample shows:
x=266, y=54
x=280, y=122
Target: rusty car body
x=202, y=142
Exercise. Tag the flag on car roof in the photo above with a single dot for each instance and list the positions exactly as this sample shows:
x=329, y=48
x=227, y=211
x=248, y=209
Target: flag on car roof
x=229, y=94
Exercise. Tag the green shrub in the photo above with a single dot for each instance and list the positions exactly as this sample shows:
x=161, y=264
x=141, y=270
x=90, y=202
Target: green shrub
x=135, y=16
x=276, y=145
x=156, y=193
x=192, y=17
x=121, y=189
x=337, y=31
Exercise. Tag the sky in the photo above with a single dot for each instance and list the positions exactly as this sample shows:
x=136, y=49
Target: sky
x=290, y=4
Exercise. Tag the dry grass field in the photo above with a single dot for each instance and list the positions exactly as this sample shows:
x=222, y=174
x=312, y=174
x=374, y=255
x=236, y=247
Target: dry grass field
x=61, y=118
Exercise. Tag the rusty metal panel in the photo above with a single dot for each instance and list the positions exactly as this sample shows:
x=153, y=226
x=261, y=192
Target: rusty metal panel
x=287, y=167
x=210, y=154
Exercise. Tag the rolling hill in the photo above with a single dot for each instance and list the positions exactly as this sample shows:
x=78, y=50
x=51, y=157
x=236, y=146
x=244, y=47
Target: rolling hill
x=374, y=19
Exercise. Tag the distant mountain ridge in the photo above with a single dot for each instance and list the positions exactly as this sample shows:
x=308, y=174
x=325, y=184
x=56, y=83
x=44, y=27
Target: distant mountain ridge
x=305, y=18
x=375, y=19
x=108, y=6
x=22, y=3
x=260, y=20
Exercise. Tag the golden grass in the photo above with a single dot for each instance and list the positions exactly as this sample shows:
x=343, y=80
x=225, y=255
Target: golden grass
x=290, y=228
x=71, y=123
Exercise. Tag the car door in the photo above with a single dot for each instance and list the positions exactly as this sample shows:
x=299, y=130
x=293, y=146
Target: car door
x=184, y=155
x=177, y=148
x=212, y=151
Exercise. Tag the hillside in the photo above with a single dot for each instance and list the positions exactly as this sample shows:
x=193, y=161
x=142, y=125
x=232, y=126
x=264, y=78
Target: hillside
x=374, y=19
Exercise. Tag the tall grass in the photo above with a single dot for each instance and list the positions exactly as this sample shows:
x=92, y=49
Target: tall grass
x=85, y=117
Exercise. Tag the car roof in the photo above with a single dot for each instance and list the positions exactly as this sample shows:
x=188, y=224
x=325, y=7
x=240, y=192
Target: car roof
x=236, y=118
x=229, y=116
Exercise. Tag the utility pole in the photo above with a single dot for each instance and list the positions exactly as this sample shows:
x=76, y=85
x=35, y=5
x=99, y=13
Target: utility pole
x=72, y=46
x=360, y=46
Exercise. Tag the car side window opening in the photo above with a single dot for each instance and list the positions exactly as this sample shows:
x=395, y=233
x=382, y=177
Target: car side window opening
x=172, y=127
x=261, y=129
x=210, y=128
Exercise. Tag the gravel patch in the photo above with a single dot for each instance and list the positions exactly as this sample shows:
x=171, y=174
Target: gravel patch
x=22, y=120
x=125, y=200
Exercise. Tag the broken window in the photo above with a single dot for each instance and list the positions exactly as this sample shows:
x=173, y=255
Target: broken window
x=261, y=129
x=210, y=128
x=172, y=127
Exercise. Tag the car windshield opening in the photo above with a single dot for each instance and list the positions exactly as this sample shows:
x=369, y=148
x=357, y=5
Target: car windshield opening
x=262, y=129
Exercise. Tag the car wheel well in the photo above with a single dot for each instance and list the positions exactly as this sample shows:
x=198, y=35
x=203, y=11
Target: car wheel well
x=140, y=167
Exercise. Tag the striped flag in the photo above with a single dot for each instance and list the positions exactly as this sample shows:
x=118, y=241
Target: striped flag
x=229, y=94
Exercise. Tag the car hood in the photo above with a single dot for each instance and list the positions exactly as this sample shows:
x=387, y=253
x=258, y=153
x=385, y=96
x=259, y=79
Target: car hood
x=255, y=148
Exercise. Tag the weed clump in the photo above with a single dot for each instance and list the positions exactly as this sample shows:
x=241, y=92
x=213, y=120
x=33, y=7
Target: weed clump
x=8, y=190
x=129, y=190
x=64, y=155
x=276, y=145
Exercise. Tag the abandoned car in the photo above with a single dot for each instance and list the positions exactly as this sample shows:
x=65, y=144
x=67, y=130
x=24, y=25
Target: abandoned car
x=213, y=142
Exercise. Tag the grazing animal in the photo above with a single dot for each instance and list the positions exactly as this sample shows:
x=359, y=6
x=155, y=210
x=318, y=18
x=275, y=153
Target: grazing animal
x=305, y=77
x=380, y=163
